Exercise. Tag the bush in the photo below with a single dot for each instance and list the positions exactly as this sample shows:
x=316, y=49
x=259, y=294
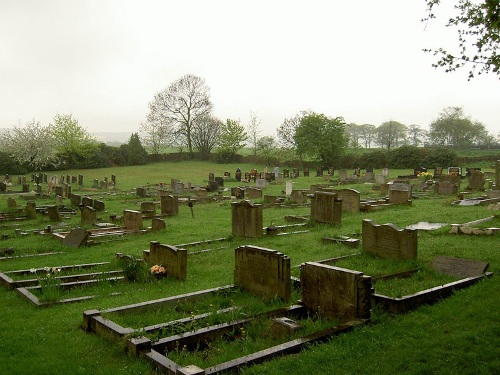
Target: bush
x=9, y=166
x=374, y=159
x=440, y=157
x=406, y=157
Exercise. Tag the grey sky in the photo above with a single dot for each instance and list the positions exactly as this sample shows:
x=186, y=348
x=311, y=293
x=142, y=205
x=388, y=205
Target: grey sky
x=104, y=60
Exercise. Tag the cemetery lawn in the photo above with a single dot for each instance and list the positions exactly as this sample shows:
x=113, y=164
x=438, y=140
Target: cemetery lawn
x=458, y=335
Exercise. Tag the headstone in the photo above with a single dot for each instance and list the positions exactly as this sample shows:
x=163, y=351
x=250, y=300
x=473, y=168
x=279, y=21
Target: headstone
x=286, y=173
x=148, y=209
x=88, y=216
x=178, y=188
x=385, y=172
x=445, y=187
x=3, y=186
x=455, y=171
x=59, y=190
x=288, y=188
x=246, y=219
x=170, y=205
x=53, y=212
x=132, y=220
x=458, y=267
x=238, y=175
x=58, y=200
x=87, y=201
x=11, y=203
x=140, y=191
x=75, y=199
x=103, y=185
x=381, y=180
x=76, y=238
x=211, y=176
x=306, y=172
x=96, y=183
x=220, y=181
x=280, y=179
x=368, y=177
x=453, y=178
x=299, y=196
x=319, y=172
x=326, y=208
x=343, y=175
x=350, y=199
x=212, y=186
x=158, y=224
x=98, y=205
x=238, y=193
x=30, y=209
x=335, y=293
x=170, y=257
x=263, y=272
x=476, y=180
x=276, y=171
x=399, y=192
x=253, y=193
x=389, y=241
x=260, y=183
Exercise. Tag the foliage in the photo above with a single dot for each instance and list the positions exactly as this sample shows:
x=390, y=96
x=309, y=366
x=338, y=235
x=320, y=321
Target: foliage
x=453, y=128
x=253, y=132
x=154, y=135
x=374, y=159
x=206, y=133
x=178, y=107
x=478, y=26
x=134, y=269
x=286, y=131
x=49, y=284
x=440, y=157
x=416, y=135
x=31, y=144
x=405, y=157
x=73, y=142
x=9, y=165
x=134, y=152
x=321, y=137
x=266, y=148
x=391, y=133
x=231, y=140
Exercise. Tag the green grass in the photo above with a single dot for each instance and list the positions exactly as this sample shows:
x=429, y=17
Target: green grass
x=459, y=335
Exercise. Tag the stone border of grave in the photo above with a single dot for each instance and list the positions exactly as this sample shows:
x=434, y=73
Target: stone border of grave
x=468, y=228
x=98, y=234
x=29, y=255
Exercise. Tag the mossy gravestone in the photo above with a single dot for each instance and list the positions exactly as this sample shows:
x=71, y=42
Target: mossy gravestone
x=263, y=272
x=170, y=257
x=326, y=208
x=389, y=241
x=246, y=219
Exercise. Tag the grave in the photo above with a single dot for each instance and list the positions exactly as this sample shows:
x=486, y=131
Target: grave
x=288, y=188
x=53, y=212
x=76, y=238
x=158, y=224
x=389, y=241
x=343, y=175
x=253, y=193
x=260, y=183
x=476, y=180
x=299, y=196
x=446, y=187
x=380, y=179
x=88, y=216
x=238, y=192
x=246, y=219
x=169, y=205
x=400, y=192
x=170, y=257
x=335, y=293
x=455, y=171
x=148, y=210
x=326, y=208
x=30, y=209
x=350, y=199
x=471, y=229
x=132, y=220
x=98, y=205
x=459, y=267
x=263, y=272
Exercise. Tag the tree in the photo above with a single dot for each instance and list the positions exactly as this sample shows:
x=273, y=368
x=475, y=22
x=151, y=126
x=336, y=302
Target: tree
x=454, y=128
x=321, y=137
x=478, y=26
x=73, y=142
x=153, y=135
x=266, y=148
x=286, y=131
x=416, y=134
x=391, y=133
x=232, y=139
x=31, y=144
x=353, y=133
x=253, y=131
x=206, y=133
x=368, y=133
x=134, y=152
x=179, y=106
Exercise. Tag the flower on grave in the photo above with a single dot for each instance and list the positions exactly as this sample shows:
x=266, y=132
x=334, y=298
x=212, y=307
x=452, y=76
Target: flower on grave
x=424, y=176
x=158, y=270
x=33, y=270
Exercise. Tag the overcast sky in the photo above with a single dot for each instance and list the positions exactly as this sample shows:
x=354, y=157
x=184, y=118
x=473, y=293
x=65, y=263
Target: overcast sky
x=104, y=60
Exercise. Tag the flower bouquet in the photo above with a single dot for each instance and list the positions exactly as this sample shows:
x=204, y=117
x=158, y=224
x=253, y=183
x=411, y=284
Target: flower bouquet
x=158, y=271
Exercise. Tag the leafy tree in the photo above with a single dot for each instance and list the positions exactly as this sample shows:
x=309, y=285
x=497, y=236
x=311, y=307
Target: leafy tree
x=440, y=157
x=321, y=137
x=367, y=133
x=478, y=26
x=134, y=152
x=206, y=133
x=154, y=134
x=391, y=133
x=406, y=157
x=31, y=144
x=374, y=159
x=73, y=142
x=178, y=107
x=253, y=132
x=286, y=131
x=454, y=128
x=416, y=134
x=354, y=134
x=8, y=165
x=232, y=139
x=266, y=148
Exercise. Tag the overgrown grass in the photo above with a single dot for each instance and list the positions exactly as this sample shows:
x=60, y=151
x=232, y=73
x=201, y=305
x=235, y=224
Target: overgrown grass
x=455, y=336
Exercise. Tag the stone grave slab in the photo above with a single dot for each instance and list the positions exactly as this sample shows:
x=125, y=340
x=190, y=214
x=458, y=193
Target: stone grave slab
x=170, y=205
x=424, y=225
x=476, y=180
x=253, y=193
x=389, y=241
x=263, y=272
x=350, y=199
x=170, y=257
x=260, y=183
x=399, y=192
x=446, y=187
x=334, y=292
x=76, y=238
x=247, y=219
x=53, y=212
x=459, y=267
x=326, y=208
x=88, y=215
x=132, y=220
x=158, y=224
x=299, y=196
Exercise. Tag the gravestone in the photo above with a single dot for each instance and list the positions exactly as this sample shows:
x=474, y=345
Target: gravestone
x=170, y=257
x=88, y=216
x=399, y=192
x=212, y=186
x=326, y=208
x=385, y=172
x=132, y=220
x=458, y=267
x=476, y=180
x=53, y=212
x=343, y=175
x=299, y=196
x=260, y=183
x=238, y=193
x=367, y=177
x=246, y=219
x=59, y=190
x=319, y=172
x=263, y=272
x=75, y=199
x=3, y=186
x=76, y=238
x=11, y=203
x=220, y=181
x=306, y=172
x=148, y=209
x=140, y=191
x=280, y=179
x=453, y=178
x=288, y=188
x=87, y=201
x=445, y=187
x=103, y=185
x=389, y=241
x=98, y=205
x=455, y=171
x=238, y=175
x=350, y=199
x=380, y=179
x=286, y=173
x=253, y=193
x=335, y=293
x=170, y=205
x=59, y=200
x=158, y=224
x=30, y=209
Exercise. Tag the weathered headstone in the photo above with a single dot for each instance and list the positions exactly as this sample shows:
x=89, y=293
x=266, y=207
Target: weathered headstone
x=132, y=220
x=445, y=187
x=260, y=183
x=11, y=203
x=238, y=193
x=140, y=191
x=263, y=272
x=253, y=193
x=75, y=199
x=158, y=224
x=458, y=267
x=381, y=180
x=76, y=238
x=476, y=180
x=288, y=188
x=98, y=205
x=389, y=241
x=343, y=175
x=87, y=201
x=455, y=171
x=399, y=192
x=170, y=257
x=148, y=209
x=88, y=215
x=335, y=293
x=53, y=212
x=30, y=209
x=326, y=208
x=385, y=172
x=246, y=219
x=170, y=205
x=350, y=199
x=299, y=196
